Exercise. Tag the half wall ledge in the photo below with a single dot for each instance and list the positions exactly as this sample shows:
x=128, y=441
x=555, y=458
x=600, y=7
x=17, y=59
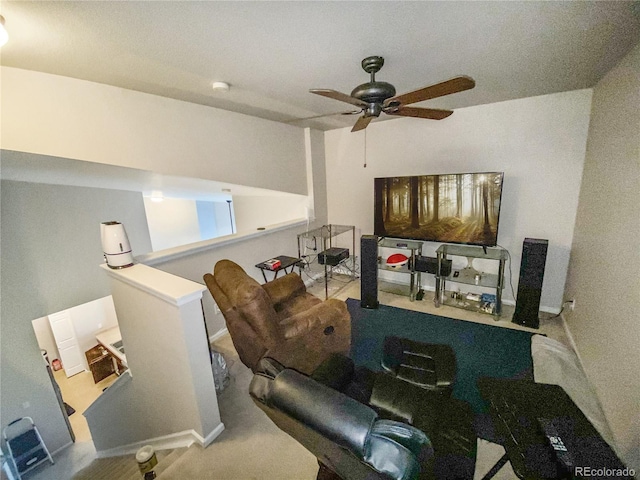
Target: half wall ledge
x=170, y=288
x=162, y=256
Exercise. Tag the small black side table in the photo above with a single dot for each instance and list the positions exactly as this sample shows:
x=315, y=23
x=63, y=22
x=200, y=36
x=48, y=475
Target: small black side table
x=544, y=433
x=285, y=262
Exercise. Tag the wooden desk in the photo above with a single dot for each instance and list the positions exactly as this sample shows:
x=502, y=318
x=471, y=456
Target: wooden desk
x=100, y=363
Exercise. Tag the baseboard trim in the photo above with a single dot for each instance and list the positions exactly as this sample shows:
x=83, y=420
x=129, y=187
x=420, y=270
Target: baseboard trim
x=219, y=334
x=206, y=441
x=572, y=341
x=182, y=439
x=64, y=447
x=311, y=279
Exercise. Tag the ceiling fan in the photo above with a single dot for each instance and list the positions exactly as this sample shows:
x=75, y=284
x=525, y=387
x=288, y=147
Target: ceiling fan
x=374, y=97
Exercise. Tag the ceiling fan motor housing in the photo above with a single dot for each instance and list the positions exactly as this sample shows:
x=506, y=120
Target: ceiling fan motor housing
x=374, y=92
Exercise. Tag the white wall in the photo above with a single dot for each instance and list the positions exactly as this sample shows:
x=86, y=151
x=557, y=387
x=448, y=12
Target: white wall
x=254, y=249
x=317, y=174
x=50, y=254
x=91, y=318
x=44, y=337
x=69, y=118
x=63, y=117
x=172, y=222
x=605, y=259
x=88, y=320
x=225, y=223
x=252, y=213
x=207, y=220
x=539, y=143
x=175, y=221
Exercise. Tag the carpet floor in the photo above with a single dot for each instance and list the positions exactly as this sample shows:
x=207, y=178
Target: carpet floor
x=481, y=350
x=250, y=448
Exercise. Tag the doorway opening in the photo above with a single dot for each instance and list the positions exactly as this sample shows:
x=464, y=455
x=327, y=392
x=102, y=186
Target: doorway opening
x=64, y=338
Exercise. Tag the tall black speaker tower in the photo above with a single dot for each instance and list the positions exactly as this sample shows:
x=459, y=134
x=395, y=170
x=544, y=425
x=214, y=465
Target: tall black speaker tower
x=534, y=257
x=369, y=271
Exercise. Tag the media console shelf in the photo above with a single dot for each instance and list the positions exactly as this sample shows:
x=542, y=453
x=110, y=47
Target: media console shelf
x=470, y=276
x=389, y=246
x=324, y=241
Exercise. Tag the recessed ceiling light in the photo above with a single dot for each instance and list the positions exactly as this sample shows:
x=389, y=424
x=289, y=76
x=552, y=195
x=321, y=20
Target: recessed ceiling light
x=220, y=86
x=157, y=196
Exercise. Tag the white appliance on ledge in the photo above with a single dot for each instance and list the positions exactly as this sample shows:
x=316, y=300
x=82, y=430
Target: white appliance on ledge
x=115, y=245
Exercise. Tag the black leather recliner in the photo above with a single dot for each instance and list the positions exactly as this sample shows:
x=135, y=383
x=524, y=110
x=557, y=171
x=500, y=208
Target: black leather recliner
x=447, y=422
x=347, y=437
x=428, y=365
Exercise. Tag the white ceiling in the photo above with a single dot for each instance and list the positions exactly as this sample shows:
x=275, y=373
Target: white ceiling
x=273, y=52
x=27, y=167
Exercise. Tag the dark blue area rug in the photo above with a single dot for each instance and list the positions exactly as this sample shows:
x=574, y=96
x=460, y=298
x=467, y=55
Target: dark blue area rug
x=481, y=350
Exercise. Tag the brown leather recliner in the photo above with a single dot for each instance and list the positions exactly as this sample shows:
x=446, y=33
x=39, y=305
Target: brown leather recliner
x=278, y=319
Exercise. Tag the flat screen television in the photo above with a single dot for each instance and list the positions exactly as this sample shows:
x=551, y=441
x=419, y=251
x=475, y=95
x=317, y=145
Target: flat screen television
x=452, y=208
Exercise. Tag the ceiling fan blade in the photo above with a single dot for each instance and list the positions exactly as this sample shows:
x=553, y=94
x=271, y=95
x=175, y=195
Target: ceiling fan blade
x=430, y=113
x=455, y=85
x=361, y=124
x=350, y=112
x=343, y=97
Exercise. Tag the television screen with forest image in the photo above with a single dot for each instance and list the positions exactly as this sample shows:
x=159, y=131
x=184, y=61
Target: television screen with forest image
x=453, y=208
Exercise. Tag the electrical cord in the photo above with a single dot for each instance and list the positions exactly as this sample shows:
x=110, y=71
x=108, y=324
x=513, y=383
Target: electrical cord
x=513, y=293
x=348, y=267
x=562, y=309
x=307, y=261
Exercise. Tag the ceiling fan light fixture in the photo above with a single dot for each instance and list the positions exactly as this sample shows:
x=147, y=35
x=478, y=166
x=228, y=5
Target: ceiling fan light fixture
x=4, y=35
x=220, y=86
x=373, y=110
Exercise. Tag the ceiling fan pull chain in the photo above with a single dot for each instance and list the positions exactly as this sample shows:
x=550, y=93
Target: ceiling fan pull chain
x=365, y=148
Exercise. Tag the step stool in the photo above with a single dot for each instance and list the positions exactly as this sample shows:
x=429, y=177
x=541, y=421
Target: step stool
x=25, y=445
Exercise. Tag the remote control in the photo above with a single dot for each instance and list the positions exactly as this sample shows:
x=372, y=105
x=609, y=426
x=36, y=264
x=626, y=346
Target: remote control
x=559, y=448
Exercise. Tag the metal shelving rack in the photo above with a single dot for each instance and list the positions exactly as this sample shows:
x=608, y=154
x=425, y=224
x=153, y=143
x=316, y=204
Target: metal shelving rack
x=471, y=276
x=414, y=248
x=324, y=238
